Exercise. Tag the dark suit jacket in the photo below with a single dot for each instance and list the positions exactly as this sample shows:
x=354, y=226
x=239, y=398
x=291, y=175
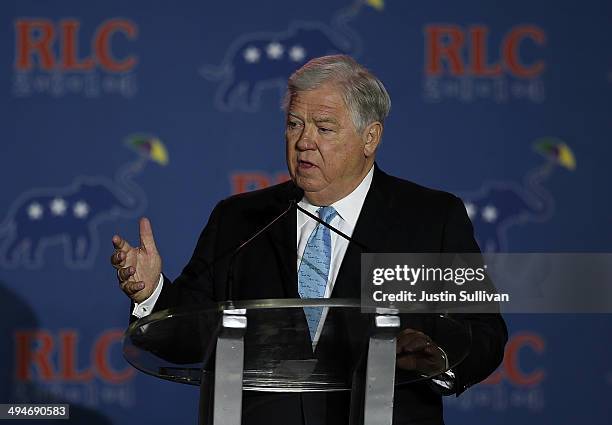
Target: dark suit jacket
x=397, y=216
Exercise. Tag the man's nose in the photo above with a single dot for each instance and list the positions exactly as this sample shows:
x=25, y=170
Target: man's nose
x=306, y=140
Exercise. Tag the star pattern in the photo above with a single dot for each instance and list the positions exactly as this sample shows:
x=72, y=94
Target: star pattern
x=251, y=54
x=489, y=214
x=297, y=53
x=35, y=211
x=275, y=50
x=80, y=209
x=58, y=207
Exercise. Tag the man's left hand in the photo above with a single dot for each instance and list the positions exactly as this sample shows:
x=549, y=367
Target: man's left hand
x=417, y=352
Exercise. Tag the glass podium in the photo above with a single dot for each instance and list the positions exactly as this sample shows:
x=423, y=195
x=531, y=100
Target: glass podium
x=265, y=345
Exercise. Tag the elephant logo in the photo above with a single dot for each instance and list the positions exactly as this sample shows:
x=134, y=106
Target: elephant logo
x=497, y=206
x=259, y=61
x=70, y=215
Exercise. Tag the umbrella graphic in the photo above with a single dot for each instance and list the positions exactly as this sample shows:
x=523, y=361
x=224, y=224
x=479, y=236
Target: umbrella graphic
x=557, y=151
x=72, y=213
x=376, y=4
x=149, y=147
x=499, y=205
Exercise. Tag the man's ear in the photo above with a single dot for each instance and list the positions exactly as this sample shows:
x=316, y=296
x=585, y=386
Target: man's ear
x=372, y=136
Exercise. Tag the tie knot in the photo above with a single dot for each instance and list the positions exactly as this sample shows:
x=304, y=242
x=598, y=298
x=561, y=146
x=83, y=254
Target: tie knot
x=327, y=213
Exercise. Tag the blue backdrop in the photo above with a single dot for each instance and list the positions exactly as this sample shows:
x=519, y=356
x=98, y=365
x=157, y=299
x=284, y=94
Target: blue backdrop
x=117, y=109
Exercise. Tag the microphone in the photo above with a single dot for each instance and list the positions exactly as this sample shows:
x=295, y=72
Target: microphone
x=332, y=228
x=296, y=196
x=229, y=284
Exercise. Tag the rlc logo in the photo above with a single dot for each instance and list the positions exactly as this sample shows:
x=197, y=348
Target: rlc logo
x=511, y=369
x=36, y=38
x=36, y=351
x=459, y=64
x=465, y=51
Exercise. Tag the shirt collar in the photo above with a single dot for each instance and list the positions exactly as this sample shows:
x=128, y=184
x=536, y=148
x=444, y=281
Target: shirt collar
x=348, y=208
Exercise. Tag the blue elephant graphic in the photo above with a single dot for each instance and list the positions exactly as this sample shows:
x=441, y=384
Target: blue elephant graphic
x=68, y=216
x=260, y=61
x=497, y=206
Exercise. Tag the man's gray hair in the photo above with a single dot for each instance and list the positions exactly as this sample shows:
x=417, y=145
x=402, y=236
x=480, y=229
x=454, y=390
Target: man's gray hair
x=365, y=95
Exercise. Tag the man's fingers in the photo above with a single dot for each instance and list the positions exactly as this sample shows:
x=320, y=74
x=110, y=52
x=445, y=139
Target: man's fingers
x=402, y=338
x=121, y=244
x=118, y=259
x=414, y=345
x=146, y=235
x=407, y=362
x=408, y=331
x=427, y=365
x=416, y=351
x=429, y=361
x=130, y=288
x=410, y=341
x=125, y=273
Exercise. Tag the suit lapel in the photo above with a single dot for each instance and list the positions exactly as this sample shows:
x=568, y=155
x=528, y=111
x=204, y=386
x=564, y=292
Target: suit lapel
x=373, y=225
x=284, y=243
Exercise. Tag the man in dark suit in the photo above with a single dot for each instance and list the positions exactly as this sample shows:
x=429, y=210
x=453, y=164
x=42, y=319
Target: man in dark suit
x=335, y=114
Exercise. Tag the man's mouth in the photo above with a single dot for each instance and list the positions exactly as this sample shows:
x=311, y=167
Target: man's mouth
x=305, y=164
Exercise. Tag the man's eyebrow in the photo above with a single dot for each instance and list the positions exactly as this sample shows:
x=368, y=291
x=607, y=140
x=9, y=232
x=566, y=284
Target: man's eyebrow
x=294, y=115
x=328, y=119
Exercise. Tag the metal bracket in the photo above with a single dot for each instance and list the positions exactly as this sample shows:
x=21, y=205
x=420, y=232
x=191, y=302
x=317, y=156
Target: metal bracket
x=229, y=368
x=380, y=370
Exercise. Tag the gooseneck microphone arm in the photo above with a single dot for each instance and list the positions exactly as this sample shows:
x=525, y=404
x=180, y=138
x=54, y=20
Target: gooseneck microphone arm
x=229, y=284
x=332, y=228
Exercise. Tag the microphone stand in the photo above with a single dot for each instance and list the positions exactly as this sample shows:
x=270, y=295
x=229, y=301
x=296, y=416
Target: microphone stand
x=229, y=284
x=332, y=228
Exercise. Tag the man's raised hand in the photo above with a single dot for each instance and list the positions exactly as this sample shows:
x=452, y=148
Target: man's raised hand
x=138, y=268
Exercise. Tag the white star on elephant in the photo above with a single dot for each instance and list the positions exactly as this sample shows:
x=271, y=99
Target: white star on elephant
x=251, y=54
x=35, y=211
x=297, y=53
x=489, y=214
x=471, y=209
x=274, y=50
x=80, y=209
x=58, y=206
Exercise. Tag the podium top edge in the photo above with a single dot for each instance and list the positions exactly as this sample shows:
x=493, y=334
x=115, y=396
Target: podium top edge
x=255, y=304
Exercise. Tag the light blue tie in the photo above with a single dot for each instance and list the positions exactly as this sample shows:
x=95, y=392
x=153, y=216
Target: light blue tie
x=314, y=267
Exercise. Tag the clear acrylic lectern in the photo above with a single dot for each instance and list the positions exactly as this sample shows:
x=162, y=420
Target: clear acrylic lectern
x=265, y=345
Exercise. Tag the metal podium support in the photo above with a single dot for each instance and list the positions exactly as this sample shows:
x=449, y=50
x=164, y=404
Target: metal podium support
x=380, y=370
x=229, y=368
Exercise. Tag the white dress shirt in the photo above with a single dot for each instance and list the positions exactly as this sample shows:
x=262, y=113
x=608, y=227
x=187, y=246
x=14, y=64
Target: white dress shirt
x=348, y=209
x=146, y=307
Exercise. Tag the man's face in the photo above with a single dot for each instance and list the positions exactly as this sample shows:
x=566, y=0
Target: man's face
x=326, y=157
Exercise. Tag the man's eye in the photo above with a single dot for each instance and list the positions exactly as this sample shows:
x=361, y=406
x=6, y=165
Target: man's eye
x=293, y=124
x=325, y=130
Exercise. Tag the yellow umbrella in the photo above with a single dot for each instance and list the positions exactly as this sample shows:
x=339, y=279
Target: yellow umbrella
x=556, y=150
x=151, y=147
